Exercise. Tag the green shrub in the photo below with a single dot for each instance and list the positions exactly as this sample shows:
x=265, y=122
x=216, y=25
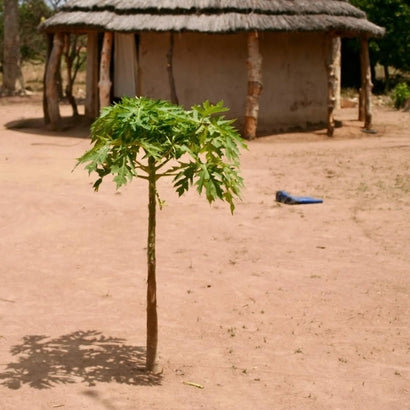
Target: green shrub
x=400, y=94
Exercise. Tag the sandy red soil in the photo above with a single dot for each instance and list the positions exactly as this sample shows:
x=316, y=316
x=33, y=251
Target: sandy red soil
x=276, y=307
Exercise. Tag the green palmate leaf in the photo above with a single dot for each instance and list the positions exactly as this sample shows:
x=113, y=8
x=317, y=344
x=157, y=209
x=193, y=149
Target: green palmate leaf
x=184, y=179
x=122, y=172
x=207, y=109
x=94, y=157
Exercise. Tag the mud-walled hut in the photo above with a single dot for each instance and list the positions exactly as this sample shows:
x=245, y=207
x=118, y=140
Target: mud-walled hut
x=273, y=62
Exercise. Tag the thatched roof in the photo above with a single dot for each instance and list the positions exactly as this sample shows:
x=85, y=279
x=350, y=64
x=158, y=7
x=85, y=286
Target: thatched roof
x=212, y=16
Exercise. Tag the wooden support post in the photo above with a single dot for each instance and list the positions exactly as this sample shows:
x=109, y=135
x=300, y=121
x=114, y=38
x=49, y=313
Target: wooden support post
x=367, y=86
x=360, y=115
x=49, y=42
x=170, y=69
x=105, y=82
x=338, y=71
x=91, y=87
x=51, y=86
x=139, y=68
x=332, y=51
x=254, y=85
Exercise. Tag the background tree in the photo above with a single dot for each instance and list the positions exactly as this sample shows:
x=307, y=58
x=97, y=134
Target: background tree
x=147, y=139
x=11, y=46
x=33, y=46
x=392, y=50
x=32, y=43
x=19, y=39
x=56, y=4
x=74, y=58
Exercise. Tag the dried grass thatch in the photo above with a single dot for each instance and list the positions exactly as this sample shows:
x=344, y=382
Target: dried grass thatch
x=212, y=16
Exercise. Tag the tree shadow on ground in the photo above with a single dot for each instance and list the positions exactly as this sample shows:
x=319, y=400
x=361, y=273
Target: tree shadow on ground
x=79, y=357
x=70, y=126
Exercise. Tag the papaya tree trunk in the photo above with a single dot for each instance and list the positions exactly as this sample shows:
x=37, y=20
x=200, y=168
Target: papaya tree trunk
x=152, y=317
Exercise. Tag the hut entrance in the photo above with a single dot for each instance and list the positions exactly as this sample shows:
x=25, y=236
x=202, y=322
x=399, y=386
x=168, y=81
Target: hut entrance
x=125, y=74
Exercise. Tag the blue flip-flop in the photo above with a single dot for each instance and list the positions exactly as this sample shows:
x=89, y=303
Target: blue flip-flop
x=285, y=198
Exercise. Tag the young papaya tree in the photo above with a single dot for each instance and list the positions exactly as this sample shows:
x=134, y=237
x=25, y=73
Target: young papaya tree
x=151, y=139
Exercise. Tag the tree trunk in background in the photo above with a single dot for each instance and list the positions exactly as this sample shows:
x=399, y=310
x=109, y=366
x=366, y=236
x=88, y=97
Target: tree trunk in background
x=69, y=66
x=52, y=93
x=105, y=82
x=366, y=89
x=170, y=69
x=254, y=86
x=11, y=50
x=386, y=78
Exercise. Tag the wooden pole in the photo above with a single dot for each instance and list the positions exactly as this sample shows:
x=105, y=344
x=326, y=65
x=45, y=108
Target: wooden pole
x=49, y=42
x=338, y=71
x=360, y=115
x=91, y=87
x=170, y=69
x=51, y=86
x=332, y=51
x=105, y=82
x=254, y=85
x=139, y=68
x=367, y=86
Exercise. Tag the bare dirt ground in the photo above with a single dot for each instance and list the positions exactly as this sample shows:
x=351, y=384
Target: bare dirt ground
x=276, y=307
